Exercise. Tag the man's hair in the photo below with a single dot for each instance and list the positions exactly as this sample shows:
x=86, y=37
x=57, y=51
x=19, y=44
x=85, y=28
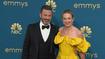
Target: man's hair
x=68, y=11
x=46, y=7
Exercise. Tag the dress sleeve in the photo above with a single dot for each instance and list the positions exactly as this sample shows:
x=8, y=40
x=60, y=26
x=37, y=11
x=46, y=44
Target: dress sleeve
x=58, y=39
x=83, y=46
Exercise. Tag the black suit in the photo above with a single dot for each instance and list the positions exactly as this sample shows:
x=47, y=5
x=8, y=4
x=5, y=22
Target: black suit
x=32, y=48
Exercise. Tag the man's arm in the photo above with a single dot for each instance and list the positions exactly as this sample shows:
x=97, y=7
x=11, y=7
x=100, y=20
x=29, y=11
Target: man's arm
x=25, y=52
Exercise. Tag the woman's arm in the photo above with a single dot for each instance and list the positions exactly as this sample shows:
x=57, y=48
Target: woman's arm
x=82, y=55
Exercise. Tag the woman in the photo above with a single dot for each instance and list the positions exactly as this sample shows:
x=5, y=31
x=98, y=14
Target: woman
x=70, y=39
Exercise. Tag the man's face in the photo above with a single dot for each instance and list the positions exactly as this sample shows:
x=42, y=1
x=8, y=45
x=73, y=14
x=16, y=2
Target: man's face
x=46, y=16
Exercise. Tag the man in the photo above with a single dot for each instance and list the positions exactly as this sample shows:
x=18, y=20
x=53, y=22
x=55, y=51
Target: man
x=39, y=39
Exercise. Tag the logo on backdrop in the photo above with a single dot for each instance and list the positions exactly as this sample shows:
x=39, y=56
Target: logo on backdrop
x=13, y=50
x=52, y=4
x=86, y=30
x=16, y=28
x=11, y=3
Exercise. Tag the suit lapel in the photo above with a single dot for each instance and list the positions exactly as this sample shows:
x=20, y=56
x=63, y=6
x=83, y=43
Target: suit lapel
x=51, y=32
x=39, y=31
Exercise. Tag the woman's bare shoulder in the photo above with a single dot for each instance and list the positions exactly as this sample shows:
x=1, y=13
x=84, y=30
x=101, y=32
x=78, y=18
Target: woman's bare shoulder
x=77, y=32
x=60, y=29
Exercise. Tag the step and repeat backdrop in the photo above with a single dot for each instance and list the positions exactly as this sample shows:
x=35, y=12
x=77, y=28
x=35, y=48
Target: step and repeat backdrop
x=15, y=15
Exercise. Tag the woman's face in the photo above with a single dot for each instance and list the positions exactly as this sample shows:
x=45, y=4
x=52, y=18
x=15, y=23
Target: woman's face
x=67, y=19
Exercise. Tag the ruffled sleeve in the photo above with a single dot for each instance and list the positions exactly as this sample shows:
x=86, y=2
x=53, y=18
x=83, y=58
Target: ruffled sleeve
x=83, y=46
x=58, y=39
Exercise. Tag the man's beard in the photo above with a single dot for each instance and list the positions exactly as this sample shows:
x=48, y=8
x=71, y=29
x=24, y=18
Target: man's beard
x=46, y=22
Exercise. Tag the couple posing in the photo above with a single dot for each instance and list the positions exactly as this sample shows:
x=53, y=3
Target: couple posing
x=42, y=37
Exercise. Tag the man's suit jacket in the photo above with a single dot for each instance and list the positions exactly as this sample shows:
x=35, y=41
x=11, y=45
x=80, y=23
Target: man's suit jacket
x=31, y=43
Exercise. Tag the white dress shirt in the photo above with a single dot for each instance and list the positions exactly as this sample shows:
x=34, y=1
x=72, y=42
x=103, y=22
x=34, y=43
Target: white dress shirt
x=45, y=32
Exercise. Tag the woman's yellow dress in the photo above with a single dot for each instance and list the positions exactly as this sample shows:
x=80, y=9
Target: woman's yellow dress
x=68, y=46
